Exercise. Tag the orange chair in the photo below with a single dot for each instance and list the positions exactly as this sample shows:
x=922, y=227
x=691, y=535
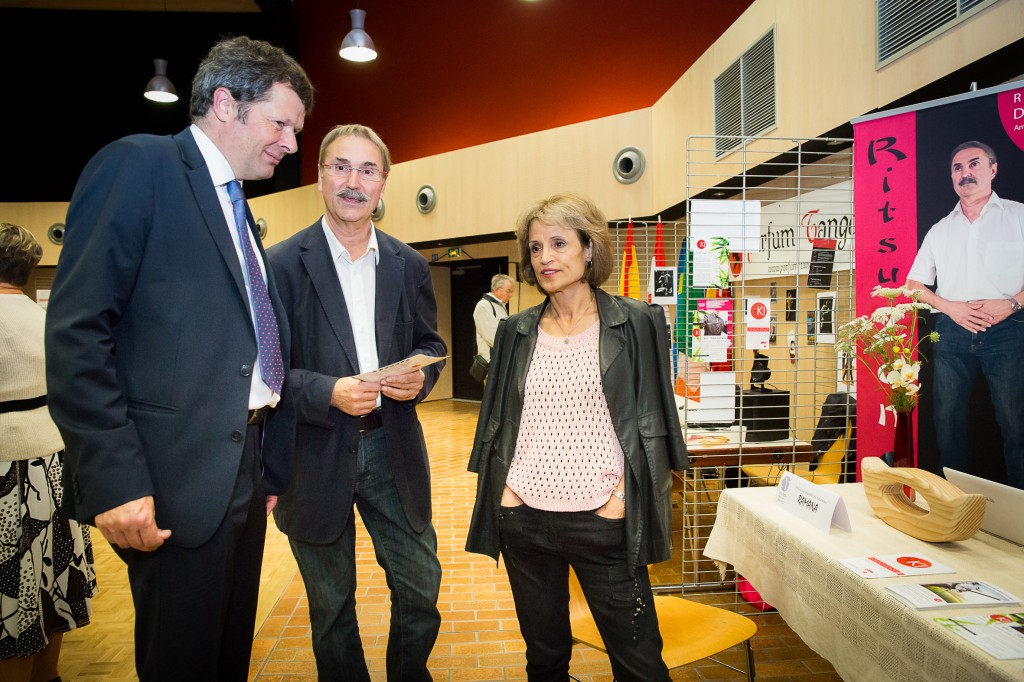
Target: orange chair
x=690, y=631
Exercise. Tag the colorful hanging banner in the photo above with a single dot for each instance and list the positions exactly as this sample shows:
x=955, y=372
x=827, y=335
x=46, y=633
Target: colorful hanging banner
x=629, y=279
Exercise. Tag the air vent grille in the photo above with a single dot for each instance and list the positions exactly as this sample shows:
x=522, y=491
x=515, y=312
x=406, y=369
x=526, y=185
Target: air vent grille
x=745, y=95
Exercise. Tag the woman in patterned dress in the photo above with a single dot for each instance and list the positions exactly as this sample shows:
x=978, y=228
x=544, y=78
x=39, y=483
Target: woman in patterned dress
x=46, y=567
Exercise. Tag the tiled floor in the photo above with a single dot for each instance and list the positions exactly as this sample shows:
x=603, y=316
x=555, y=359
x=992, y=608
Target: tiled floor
x=479, y=637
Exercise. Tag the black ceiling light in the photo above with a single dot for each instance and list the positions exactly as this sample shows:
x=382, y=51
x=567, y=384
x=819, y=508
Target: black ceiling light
x=160, y=88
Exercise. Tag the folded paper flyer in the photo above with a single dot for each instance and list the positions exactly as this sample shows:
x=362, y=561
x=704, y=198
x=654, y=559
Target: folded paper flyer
x=957, y=593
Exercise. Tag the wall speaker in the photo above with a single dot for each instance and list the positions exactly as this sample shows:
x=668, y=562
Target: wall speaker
x=426, y=199
x=629, y=165
x=56, y=233
x=261, y=228
x=378, y=212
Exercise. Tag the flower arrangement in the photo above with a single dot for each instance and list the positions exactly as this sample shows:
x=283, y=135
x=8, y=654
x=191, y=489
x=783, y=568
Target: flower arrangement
x=886, y=337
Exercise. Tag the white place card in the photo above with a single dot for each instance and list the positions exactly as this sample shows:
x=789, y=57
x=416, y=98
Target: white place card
x=819, y=507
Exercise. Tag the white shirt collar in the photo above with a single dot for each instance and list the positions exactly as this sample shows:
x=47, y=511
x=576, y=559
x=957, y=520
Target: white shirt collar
x=337, y=250
x=216, y=162
x=993, y=200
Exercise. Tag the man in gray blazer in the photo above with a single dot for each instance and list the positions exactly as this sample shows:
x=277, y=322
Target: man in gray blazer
x=166, y=345
x=358, y=300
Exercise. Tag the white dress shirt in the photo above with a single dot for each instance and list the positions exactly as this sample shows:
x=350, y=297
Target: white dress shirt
x=358, y=280
x=979, y=260
x=260, y=395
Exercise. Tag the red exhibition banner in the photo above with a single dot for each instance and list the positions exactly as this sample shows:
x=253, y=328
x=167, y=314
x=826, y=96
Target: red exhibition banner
x=885, y=212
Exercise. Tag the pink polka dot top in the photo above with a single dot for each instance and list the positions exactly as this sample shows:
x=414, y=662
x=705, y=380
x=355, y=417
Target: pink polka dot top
x=567, y=456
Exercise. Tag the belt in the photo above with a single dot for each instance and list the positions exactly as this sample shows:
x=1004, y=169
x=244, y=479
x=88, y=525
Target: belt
x=22, y=405
x=369, y=422
x=259, y=415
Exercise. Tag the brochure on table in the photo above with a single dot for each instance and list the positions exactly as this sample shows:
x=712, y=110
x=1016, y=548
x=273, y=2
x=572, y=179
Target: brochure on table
x=819, y=507
x=954, y=593
x=894, y=566
x=999, y=635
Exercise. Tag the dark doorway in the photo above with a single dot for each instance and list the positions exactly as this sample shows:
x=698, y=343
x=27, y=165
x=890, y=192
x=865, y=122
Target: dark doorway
x=470, y=280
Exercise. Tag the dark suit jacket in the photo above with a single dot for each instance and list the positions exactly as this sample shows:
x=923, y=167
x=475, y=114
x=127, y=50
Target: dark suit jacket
x=150, y=344
x=317, y=506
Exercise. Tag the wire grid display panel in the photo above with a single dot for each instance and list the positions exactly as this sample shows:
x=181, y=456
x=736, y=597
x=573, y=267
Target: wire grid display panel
x=788, y=206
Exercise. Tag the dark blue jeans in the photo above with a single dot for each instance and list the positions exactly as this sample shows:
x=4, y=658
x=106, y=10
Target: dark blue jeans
x=538, y=548
x=410, y=564
x=959, y=356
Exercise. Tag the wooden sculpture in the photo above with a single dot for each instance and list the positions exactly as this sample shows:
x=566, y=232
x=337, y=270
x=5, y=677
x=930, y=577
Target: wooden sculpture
x=952, y=514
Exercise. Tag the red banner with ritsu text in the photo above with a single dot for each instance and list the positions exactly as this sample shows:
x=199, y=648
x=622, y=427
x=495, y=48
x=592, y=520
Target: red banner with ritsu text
x=885, y=209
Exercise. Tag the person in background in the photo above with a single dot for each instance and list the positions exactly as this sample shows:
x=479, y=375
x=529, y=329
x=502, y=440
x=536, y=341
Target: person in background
x=166, y=347
x=577, y=433
x=47, y=577
x=489, y=311
x=975, y=259
x=358, y=300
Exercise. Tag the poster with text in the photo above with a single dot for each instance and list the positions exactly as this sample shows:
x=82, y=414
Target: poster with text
x=712, y=330
x=903, y=186
x=758, y=323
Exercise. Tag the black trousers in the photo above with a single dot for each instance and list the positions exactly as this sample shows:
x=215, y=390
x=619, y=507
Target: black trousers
x=538, y=548
x=195, y=607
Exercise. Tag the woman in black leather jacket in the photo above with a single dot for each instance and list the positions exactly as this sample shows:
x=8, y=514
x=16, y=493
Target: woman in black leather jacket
x=577, y=434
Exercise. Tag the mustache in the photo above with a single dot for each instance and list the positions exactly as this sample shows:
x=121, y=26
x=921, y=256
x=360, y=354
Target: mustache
x=352, y=194
x=964, y=181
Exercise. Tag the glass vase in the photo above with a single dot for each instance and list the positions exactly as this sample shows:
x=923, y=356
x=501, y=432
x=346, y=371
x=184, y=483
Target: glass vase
x=903, y=445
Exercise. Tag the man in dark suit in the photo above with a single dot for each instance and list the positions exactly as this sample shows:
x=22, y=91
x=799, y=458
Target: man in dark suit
x=166, y=345
x=358, y=300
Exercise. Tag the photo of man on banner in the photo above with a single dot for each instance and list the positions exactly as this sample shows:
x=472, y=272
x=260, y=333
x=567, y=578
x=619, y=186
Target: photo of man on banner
x=938, y=192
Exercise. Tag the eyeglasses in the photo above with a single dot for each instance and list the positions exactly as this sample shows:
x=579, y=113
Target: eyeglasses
x=341, y=170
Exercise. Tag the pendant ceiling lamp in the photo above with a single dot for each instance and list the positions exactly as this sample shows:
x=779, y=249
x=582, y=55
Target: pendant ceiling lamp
x=160, y=88
x=357, y=45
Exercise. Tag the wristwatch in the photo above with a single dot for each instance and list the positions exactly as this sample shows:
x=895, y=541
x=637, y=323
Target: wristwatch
x=1014, y=306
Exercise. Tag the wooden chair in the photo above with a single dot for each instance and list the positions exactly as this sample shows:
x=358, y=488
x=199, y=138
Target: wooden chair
x=827, y=468
x=690, y=631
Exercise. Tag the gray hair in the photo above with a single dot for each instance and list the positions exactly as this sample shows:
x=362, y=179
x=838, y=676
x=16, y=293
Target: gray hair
x=499, y=280
x=356, y=130
x=974, y=144
x=248, y=69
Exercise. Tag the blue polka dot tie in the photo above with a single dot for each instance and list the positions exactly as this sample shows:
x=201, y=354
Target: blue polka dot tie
x=267, y=335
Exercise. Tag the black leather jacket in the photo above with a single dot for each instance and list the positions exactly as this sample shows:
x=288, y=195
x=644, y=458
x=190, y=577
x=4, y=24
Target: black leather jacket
x=636, y=376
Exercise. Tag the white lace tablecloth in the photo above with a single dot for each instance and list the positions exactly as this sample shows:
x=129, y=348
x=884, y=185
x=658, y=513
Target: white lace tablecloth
x=863, y=631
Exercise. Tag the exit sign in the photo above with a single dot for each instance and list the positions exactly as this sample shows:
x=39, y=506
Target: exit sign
x=454, y=253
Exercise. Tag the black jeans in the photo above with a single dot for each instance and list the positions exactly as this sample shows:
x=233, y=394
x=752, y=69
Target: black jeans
x=538, y=548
